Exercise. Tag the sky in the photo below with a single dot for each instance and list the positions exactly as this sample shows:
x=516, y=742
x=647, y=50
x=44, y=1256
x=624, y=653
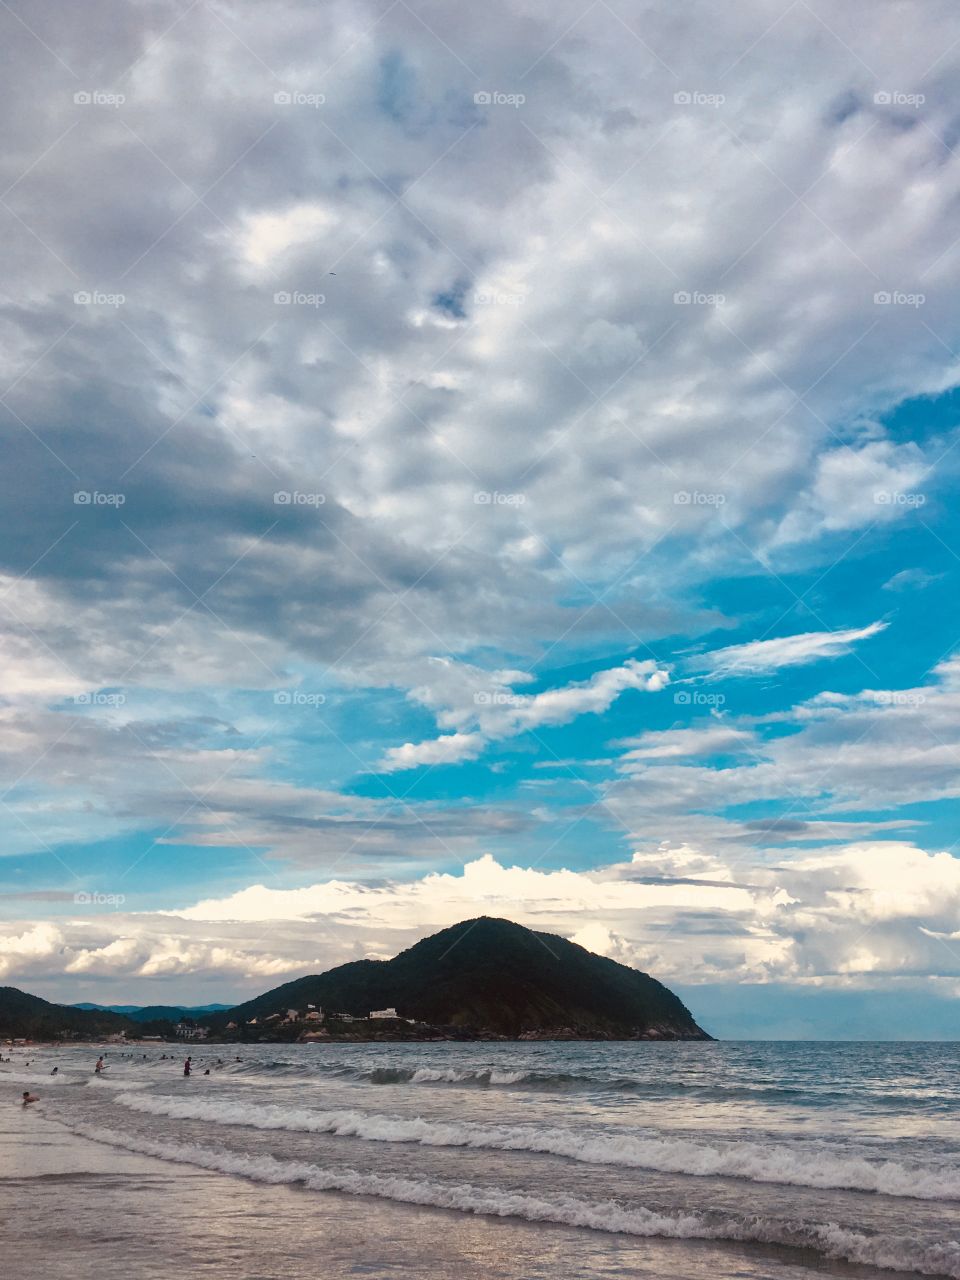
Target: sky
x=483, y=460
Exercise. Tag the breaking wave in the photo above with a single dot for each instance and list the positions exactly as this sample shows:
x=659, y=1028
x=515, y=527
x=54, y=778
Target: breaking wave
x=755, y=1162
x=564, y=1081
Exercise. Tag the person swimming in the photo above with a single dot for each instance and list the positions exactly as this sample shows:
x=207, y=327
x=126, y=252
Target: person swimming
x=29, y=1097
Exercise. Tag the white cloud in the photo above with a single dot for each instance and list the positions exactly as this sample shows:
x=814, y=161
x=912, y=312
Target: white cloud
x=757, y=657
x=266, y=236
x=858, y=486
x=497, y=712
x=714, y=739
x=523, y=394
x=452, y=748
x=868, y=752
x=911, y=580
x=864, y=912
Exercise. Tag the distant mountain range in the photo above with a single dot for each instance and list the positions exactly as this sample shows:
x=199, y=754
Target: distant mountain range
x=154, y=1012
x=494, y=977
x=483, y=977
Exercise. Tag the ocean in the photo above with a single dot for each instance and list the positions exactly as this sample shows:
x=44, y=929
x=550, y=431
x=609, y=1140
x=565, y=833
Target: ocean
x=465, y=1160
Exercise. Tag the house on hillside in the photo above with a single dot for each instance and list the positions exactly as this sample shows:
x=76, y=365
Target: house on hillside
x=384, y=1013
x=186, y=1031
x=314, y=1016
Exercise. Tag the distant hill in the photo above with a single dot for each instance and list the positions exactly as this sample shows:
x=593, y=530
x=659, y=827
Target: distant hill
x=492, y=976
x=155, y=1012
x=23, y=1015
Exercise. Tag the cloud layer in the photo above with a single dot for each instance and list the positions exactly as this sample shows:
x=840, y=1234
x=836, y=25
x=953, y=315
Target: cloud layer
x=435, y=434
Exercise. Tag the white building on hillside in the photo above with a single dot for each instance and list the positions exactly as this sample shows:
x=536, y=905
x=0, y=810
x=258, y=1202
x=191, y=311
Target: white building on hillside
x=187, y=1032
x=384, y=1013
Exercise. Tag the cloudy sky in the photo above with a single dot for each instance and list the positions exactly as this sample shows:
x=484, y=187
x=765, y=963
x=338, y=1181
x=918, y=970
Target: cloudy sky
x=483, y=460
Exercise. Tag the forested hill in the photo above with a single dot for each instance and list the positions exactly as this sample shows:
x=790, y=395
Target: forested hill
x=496, y=976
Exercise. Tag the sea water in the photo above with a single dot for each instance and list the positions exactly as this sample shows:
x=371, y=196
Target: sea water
x=785, y=1158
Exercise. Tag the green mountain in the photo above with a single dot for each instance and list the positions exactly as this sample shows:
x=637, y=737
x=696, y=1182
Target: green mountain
x=23, y=1015
x=492, y=976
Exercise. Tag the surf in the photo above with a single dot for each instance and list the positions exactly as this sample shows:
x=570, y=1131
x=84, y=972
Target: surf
x=883, y=1251
x=805, y=1166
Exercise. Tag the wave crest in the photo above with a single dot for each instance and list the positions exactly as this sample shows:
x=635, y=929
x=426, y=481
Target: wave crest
x=754, y=1162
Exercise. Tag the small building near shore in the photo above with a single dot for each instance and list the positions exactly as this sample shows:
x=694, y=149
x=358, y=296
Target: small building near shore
x=186, y=1031
x=384, y=1013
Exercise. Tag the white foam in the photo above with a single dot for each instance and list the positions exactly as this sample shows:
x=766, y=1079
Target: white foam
x=39, y=1077
x=805, y=1166
x=117, y=1082
x=883, y=1251
x=42, y=1078
x=451, y=1075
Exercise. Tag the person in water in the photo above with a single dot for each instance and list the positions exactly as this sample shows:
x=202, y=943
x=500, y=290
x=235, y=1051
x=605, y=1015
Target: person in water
x=186, y=1067
x=29, y=1097
x=54, y=1071
x=99, y=1067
